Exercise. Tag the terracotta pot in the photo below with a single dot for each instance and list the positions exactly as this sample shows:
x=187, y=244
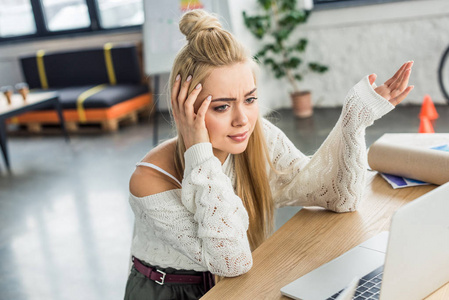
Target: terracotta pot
x=302, y=104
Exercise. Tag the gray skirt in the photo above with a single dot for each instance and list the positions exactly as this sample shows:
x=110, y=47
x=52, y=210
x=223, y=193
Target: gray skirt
x=139, y=287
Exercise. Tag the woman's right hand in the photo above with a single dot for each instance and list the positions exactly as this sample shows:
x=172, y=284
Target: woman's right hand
x=190, y=125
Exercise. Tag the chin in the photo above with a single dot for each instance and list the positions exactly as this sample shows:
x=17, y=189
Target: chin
x=237, y=149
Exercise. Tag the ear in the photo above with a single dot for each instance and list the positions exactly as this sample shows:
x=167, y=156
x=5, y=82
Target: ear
x=372, y=78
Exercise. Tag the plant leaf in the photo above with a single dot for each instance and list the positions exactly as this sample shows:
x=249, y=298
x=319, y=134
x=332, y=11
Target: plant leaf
x=282, y=34
x=258, y=25
x=298, y=77
x=292, y=63
x=256, y=59
x=269, y=61
x=288, y=5
x=293, y=18
x=316, y=67
x=266, y=4
x=301, y=45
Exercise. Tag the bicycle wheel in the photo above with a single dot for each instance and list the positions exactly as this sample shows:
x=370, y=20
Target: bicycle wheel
x=443, y=74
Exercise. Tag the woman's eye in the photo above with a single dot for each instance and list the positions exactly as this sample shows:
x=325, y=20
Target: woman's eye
x=251, y=100
x=221, y=108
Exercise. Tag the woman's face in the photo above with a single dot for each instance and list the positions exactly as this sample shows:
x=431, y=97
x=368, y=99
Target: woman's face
x=234, y=109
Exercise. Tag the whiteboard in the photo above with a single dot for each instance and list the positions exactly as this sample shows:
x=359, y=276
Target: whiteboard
x=161, y=36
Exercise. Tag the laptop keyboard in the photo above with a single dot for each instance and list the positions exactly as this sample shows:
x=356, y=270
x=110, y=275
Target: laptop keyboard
x=368, y=288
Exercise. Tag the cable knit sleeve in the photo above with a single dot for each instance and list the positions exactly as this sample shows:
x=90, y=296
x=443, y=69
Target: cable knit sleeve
x=334, y=177
x=206, y=221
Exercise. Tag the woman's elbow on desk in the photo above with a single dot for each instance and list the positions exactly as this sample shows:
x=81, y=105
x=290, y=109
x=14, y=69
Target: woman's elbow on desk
x=345, y=206
x=344, y=210
x=232, y=267
x=245, y=269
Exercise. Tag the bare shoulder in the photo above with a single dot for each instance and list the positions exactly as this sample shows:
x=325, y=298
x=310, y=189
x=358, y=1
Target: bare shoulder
x=146, y=181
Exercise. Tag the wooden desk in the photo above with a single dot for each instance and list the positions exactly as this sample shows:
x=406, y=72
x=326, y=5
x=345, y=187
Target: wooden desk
x=18, y=106
x=314, y=237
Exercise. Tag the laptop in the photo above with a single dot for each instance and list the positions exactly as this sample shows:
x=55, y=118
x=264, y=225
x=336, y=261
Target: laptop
x=408, y=262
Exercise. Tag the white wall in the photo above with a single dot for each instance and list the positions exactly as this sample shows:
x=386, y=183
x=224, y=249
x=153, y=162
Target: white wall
x=357, y=41
x=378, y=39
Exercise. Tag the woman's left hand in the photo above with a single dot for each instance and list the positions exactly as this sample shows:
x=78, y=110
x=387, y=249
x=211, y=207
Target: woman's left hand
x=396, y=88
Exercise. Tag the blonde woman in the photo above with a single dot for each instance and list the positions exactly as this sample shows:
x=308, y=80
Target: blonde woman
x=205, y=199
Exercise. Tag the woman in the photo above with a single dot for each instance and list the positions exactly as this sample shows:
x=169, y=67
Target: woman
x=205, y=199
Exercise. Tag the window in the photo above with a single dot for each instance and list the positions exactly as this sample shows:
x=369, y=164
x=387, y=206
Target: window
x=27, y=19
x=329, y=1
x=114, y=13
x=16, y=18
x=353, y=1
x=346, y=3
x=65, y=15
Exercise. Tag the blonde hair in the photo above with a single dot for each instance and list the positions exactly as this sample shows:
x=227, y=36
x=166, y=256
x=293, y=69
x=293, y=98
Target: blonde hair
x=209, y=46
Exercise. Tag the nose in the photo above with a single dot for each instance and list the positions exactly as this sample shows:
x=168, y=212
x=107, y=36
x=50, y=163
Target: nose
x=240, y=118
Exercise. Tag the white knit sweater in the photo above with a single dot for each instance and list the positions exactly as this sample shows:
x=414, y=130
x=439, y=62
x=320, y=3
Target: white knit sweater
x=203, y=225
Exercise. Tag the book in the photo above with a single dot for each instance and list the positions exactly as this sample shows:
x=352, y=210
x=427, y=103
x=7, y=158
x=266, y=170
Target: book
x=415, y=156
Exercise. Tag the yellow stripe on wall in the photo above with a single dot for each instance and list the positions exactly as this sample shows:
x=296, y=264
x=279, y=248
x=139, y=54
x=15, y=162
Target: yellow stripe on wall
x=83, y=97
x=41, y=68
x=109, y=65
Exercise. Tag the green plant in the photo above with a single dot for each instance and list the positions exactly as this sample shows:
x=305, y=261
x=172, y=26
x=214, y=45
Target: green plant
x=279, y=20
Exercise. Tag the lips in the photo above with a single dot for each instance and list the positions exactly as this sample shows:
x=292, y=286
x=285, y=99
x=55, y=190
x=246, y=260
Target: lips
x=239, y=137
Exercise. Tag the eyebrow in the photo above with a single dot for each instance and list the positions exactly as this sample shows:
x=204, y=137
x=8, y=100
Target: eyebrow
x=234, y=99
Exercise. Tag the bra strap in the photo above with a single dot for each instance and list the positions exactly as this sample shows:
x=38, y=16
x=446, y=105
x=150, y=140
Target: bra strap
x=142, y=163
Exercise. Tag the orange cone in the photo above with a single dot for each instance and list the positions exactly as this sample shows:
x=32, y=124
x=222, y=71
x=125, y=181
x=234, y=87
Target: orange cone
x=428, y=109
x=425, y=126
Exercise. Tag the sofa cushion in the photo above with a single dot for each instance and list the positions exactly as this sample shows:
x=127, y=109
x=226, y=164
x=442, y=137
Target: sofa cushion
x=83, y=67
x=106, y=95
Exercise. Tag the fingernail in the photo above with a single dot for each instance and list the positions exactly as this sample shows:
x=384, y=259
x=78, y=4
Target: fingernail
x=189, y=78
x=178, y=77
x=412, y=86
x=198, y=86
x=209, y=98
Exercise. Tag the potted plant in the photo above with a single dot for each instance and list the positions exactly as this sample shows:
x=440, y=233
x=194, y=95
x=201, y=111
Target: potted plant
x=282, y=54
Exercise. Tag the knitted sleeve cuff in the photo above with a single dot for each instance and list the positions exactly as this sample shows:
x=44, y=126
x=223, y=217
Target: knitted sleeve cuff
x=376, y=103
x=196, y=155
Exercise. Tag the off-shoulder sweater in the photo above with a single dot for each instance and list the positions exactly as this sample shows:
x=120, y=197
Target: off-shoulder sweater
x=203, y=225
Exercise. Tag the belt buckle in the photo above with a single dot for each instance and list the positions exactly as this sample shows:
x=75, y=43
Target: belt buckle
x=162, y=277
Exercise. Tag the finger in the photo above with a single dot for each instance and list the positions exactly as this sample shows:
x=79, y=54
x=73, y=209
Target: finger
x=395, y=101
x=399, y=85
x=189, y=103
x=175, y=91
x=183, y=92
x=201, y=114
x=372, y=78
x=398, y=81
x=404, y=82
x=397, y=74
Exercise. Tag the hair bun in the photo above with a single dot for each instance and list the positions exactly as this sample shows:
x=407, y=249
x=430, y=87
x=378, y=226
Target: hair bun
x=195, y=21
